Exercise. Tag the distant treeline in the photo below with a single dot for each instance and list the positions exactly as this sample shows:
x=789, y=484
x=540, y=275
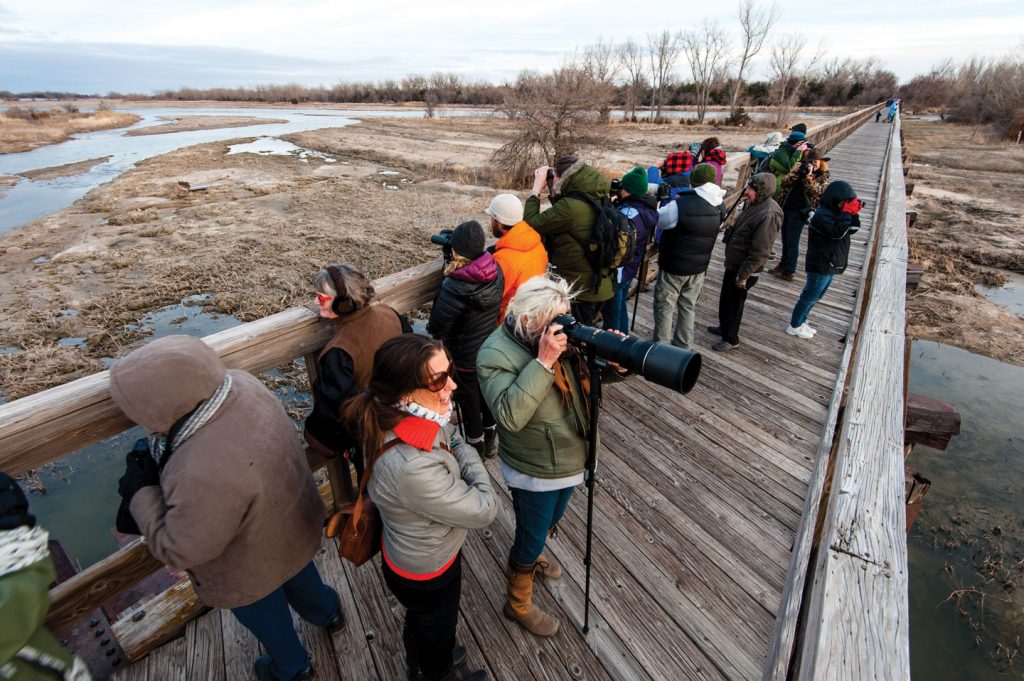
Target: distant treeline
x=979, y=91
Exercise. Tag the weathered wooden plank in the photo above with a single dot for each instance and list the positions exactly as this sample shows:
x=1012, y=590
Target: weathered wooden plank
x=205, y=648
x=136, y=671
x=157, y=619
x=240, y=647
x=170, y=660
x=90, y=588
x=931, y=422
x=382, y=618
x=351, y=651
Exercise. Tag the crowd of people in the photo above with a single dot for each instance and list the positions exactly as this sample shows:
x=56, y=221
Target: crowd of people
x=225, y=492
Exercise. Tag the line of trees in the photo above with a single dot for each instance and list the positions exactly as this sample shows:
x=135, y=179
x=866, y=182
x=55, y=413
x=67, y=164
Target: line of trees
x=981, y=91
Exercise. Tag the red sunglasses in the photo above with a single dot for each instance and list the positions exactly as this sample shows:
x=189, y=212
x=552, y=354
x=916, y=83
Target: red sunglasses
x=323, y=298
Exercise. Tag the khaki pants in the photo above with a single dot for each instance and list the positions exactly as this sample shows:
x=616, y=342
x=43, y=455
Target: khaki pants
x=674, y=293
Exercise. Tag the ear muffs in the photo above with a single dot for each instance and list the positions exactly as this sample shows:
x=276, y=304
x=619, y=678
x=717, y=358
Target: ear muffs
x=341, y=296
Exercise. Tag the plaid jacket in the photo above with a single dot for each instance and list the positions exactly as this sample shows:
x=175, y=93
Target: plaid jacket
x=677, y=162
x=716, y=155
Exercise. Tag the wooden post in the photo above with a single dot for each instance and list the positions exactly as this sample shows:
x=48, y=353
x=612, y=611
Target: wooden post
x=917, y=487
x=931, y=422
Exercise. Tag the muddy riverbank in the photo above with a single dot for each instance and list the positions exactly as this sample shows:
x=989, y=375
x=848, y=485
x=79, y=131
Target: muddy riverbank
x=969, y=233
x=190, y=123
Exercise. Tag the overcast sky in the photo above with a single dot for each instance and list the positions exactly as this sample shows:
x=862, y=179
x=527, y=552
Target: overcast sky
x=139, y=46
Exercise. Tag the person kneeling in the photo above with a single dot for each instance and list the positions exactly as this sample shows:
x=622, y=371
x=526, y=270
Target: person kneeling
x=227, y=494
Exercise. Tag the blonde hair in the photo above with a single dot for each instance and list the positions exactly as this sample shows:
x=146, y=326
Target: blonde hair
x=538, y=300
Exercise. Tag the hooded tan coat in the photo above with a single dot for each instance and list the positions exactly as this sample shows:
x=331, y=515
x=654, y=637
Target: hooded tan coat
x=236, y=506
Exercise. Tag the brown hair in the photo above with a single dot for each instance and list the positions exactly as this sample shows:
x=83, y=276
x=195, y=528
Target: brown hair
x=400, y=366
x=707, y=145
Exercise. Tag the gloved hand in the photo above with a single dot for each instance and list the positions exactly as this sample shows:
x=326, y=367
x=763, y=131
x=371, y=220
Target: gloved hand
x=140, y=471
x=852, y=206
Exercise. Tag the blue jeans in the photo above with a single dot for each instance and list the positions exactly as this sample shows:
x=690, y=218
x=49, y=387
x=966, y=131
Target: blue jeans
x=536, y=513
x=271, y=622
x=792, y=227
x=615, y=311
x=814, y=289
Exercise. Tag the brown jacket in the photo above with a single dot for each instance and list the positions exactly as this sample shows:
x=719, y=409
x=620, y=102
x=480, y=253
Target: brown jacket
x=236, y=506
x=755, y=230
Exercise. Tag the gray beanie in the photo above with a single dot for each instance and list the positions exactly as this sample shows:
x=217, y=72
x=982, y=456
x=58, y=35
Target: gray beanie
x=468, y=240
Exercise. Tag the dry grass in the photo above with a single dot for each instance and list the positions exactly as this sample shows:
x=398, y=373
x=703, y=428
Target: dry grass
x=25, y=132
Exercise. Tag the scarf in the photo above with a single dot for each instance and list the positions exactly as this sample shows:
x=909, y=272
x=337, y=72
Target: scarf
x=200, y=416
x=456, y=263
x=21, y=547
x=416, y=409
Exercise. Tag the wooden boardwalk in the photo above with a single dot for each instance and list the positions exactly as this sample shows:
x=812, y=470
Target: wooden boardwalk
x=698, y=504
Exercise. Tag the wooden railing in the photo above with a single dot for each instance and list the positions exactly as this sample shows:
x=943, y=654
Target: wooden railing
x=44, y=427
x=844, y=613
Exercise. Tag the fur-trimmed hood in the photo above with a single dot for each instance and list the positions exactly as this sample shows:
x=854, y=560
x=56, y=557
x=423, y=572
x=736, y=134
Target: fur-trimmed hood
x=580, y=177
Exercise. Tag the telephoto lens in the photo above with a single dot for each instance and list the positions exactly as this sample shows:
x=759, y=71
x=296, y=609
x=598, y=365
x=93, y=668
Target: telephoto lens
x=661, y=363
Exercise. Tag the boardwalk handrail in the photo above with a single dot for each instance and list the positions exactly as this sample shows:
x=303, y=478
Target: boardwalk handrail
x=854, y=596
x=43, y=427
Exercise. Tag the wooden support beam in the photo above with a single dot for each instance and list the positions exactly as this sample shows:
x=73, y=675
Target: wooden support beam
x=917, y=487
x=910, y=189
x=911, y=218
x=157, y=619
x=931, y=422
x=915, y=271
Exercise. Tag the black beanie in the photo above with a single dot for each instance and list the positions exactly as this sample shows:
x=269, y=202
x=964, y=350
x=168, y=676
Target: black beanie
x=468, y=240
x=800, y=127
x=13, y=505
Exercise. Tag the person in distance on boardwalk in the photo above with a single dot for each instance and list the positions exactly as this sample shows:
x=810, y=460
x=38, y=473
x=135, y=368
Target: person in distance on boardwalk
x=345, y=296
x=535, y=384
x=828, y=248
x=633, y=201
x=801, y=191
x=430, y=489
x=226, y=494
x=28, y=652
x=689, y=227
x=465, y=312
x=567, y=225
x=518, y=251
x=748, y=243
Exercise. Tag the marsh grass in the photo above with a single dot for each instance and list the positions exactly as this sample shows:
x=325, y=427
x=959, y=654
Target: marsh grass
x=23, y=128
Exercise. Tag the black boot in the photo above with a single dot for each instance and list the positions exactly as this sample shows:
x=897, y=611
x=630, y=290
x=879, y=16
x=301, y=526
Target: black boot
x=490, y=441
x=458, y=659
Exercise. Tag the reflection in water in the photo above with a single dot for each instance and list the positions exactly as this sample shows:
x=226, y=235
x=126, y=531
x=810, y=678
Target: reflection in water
x=971, y=513
x=1010, y=295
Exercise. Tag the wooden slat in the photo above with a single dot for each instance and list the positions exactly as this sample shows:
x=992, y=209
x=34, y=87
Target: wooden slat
x=47, y=425
x=240, y=647
x=205, y=648
x=93, y=586
x=162, y=618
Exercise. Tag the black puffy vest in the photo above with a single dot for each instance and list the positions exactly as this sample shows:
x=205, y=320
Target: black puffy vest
x=686, y=249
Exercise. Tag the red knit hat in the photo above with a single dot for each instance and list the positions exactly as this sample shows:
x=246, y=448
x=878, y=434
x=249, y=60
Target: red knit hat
x=677, y=162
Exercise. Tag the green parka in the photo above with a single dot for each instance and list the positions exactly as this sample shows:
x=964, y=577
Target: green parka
x=537, y=435
x=567, y=224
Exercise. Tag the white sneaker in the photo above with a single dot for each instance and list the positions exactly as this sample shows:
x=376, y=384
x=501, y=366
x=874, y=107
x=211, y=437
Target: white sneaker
x=800, y=332
x=813, y=331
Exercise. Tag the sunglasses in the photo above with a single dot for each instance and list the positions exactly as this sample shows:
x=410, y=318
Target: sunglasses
x=437, y=382
x=323, y=298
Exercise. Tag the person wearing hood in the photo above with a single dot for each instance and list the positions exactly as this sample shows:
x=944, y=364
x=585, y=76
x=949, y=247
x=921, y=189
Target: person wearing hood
x=518, y=251
x=346, y=297
x=569, y=224
x=761, y=154
x=225, y=493
x=633, y=201
x=28, y=652
x=787, y=156
x=828, y=249
x=465, y=312
x=801, y=191
x=430, y=488
x=689, y=227
x=748, y=243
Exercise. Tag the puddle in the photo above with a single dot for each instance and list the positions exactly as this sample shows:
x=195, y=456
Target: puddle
x=41, y=260
x=272, y=146
x=72, y=342
x=187, y=318
x=388, y=172
x=1010, y=295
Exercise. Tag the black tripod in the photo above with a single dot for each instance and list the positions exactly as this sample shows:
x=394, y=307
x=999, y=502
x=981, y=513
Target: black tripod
x=596, y=366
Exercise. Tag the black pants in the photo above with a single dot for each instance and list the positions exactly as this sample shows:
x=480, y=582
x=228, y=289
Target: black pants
x=730, y=306
x=431, y=614
x=585, y=313
x=472, y=409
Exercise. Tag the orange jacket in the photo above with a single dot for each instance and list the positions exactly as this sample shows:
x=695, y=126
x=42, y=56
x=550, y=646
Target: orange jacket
x=521, y=255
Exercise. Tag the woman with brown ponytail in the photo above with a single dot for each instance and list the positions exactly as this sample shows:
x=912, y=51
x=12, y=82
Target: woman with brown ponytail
x=430, y=490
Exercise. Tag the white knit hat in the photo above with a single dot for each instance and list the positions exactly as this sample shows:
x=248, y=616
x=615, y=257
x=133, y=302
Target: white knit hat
x=506, y=209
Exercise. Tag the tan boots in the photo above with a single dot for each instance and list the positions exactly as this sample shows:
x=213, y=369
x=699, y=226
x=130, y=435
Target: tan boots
x=520, y=607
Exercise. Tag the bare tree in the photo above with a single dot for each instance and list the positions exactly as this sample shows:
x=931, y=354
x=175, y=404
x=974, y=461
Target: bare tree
x=555, y=114
x=756, y=23
x=600, y=63
x=706, y=50
x=663, y=53
x=631, y=60
x=789, y=71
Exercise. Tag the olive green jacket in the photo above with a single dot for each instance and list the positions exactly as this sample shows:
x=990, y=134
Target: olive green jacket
x=568, y=224
x=537, y=435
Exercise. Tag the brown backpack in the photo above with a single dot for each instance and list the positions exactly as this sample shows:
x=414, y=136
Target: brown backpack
x=358, y=525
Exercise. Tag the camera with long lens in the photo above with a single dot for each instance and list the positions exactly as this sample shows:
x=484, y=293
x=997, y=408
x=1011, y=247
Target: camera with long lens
x=444, y=240
x=615, y=187
x=667, y=365
x=663, y=192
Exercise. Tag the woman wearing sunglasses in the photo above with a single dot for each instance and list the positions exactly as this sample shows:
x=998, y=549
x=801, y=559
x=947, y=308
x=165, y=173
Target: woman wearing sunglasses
x=361, y=326
x=430, y=490
x=828, y=247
